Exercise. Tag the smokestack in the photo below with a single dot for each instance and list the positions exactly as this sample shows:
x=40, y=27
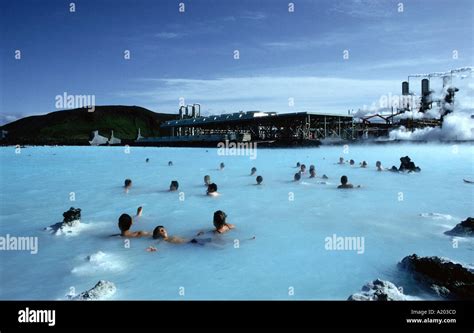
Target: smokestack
x=181, y=112
x=198, y=109
x=193, y=111
x=446, y=81
x=425, y=87
x=405, y=88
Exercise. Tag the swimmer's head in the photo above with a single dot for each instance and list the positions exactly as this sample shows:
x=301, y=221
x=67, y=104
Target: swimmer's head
x=341, y=160
x=259, y=180
x=160, y=232
x=312, y=173
x=207, y=179
x=364, y=164
x=170, y=163
x=147, y=160
x=324, y=177
x=222, y=165
x=312, y=167
x=298, y=164
x=174, y=185
x=128, y=183
x=297, y=176
x=252, y=172
x=125, y=222
x=220, y=219
x=139, y=211
x=344, y=180
x=303, y=168
x=378, y=164
x=212, y=188
x=351, y=162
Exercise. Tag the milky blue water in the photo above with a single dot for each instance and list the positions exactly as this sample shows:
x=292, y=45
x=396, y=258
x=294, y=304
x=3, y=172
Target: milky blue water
x=288, y=258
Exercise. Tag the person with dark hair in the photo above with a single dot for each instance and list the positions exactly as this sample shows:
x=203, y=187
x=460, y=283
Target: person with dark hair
x=222, y=166
x=212, y=190
x=170, y=163
x=363, y=164
x=378, y=165
x=125, y=223
x=351, y=162
x=147, y=160
x=207, y=180
x=325, y=177
x=160, y=233
x=312, y=173
x=174, y=185
x=312, y=167
x=259, y=180
x=345, y=184
x=220, y=222
x=393, y=169
x=298, y=164
x=303, y=168
x=341, y=160
x=139, y=211
x=127, y=184
x=252, y=172
x=297, y=176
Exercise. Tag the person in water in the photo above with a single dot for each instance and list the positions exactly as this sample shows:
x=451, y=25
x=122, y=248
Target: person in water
x=341, y=160
x=345, y=184
x=312, y=173
x=147, y=160
x=207, y=180
x=351, y=162
x=220, y=222
x=259, y=180
x=303, y=168
x=212, y=190
x=363, y=164
x=222, y=166
x=174, y=185
x=139, y=211
x=252, y=172
x=312, y=167
x=160, y=233
x=170, y=163
x=297, y=176
x=298, y=164
x=325, y=177
x=127, y=184
x=125, y=223
x=378, y=165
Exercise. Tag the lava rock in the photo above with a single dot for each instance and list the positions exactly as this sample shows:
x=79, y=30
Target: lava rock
x=379, y=290
x=102, y=290
x=407, y=165
x=71, y=216
x=444, y=277
x=465, y=228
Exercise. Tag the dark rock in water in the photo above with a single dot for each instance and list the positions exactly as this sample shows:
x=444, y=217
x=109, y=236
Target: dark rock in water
x=102, y=290
x=443, y=276
x=72, y=215
x=465, y=228
x=407, y=165
x=379, y=290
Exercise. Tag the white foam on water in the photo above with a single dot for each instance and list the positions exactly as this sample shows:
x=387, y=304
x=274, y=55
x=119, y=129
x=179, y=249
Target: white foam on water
x=99, y=262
